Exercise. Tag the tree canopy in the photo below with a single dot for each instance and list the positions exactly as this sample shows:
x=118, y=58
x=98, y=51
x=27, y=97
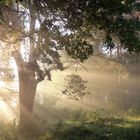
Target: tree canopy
x=70, y=21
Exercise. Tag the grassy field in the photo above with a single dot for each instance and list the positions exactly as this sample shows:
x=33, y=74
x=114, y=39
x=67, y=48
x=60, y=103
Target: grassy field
x=89, y=126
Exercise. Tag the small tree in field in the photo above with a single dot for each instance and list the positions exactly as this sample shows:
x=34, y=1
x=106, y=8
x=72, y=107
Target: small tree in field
x=36, y=31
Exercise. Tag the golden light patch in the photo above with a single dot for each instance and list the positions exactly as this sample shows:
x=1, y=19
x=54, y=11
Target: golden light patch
x=2, y=104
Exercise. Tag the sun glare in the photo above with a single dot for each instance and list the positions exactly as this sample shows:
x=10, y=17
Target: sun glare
x=13, y=102
x=14, y=67
x=2, y=84
x=6, y=112
x=2, y=104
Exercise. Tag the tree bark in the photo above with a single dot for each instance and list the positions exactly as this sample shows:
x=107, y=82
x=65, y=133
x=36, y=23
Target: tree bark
x=27, y=91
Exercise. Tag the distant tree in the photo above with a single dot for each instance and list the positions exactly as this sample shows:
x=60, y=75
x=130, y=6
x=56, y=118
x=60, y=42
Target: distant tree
x=46, y=27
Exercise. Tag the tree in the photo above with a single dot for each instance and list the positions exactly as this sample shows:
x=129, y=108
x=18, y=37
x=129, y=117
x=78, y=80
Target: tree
x=43, y=50
x=46, y=27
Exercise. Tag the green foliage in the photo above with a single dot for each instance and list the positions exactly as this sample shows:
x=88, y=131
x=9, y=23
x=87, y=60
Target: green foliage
x=79, y=49
x=127, y=33
x=75, y=87
x=115, y=17
x=7, y=2
x=103, y=128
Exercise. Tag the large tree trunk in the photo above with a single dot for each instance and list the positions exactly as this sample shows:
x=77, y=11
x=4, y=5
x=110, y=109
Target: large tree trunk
x=27, y=90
